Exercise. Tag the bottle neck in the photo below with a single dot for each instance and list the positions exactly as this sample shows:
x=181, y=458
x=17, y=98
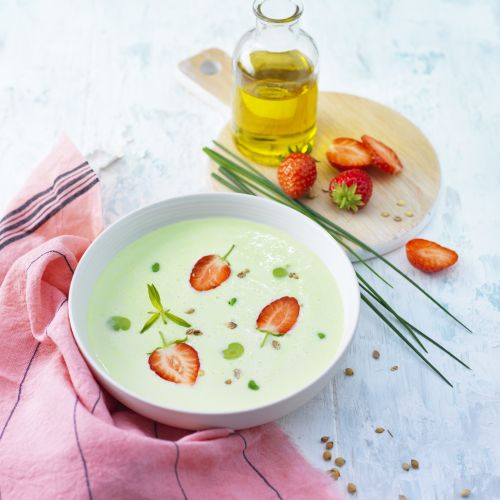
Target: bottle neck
x=265, y=25
x=277, y=13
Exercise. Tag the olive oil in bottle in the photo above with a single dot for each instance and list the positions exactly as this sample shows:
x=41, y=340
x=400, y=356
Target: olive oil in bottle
x=274, y=104
x=275, y=84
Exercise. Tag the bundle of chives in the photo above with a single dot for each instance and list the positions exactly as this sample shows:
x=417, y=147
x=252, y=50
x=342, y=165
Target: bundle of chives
x=241, y=177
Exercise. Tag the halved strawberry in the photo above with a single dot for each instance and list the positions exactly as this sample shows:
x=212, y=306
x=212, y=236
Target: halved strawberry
x=345, y=153
x=429, y=256
x=382, y=155
x=178, y=363
x=279, y=316
x=210, y=271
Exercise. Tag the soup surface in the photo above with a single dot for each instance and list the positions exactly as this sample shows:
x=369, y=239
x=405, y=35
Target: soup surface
x=240, y=332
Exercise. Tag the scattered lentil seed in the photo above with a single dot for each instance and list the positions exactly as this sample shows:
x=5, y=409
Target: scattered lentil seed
x=231, y=325
x=409, y=213
x=327, y=455
x=375, y=355
x=242, y=274
x=397, y=218
x=201, y=373
x=228, y=381
x=294, y=276
x=237, y=373
x=351, y=488
x=465, y=492
x=335, y=473
x=276, y=345
x=414, y=464
x=401, y=203
x=406, y=467
x=189, y=311
x=339, y=461
x=324, y=439
x=379, y=430
x=385, y=214
x=329, y=445
x=194, y=331
x=394, y=368
x=349, y=372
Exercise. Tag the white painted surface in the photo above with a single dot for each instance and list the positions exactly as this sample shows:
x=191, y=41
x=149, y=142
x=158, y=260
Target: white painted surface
x=104, y=73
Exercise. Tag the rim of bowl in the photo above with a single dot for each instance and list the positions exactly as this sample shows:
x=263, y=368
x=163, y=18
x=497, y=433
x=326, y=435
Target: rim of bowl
x=235, y=196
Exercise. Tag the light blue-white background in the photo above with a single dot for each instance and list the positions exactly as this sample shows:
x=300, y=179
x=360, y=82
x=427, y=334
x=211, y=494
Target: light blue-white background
x=104, y=72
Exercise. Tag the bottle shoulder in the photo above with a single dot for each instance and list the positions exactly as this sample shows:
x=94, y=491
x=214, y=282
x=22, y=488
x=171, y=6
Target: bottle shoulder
x=274, y=40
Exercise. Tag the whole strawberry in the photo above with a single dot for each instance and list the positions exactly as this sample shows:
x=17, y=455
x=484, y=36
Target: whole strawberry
x=297, y=173
x=351, y=190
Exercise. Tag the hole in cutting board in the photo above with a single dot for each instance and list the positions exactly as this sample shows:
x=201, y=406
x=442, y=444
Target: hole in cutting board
x=210, y=67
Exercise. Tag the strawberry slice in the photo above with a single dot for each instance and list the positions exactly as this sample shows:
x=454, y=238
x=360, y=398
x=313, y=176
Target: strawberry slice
x=429, y=256
x=210, y=271
x=279, y=316
x=178, y=363
x=345, y=153
x=382, y=155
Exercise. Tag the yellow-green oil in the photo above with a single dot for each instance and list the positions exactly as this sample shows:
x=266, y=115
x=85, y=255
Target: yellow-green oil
x=274, y=104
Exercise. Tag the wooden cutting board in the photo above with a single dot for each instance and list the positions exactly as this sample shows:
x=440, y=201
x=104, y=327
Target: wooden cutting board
x=409, y=198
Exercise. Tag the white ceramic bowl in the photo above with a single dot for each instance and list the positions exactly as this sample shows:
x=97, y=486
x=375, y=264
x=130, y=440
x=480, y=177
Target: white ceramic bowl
x=136, y=224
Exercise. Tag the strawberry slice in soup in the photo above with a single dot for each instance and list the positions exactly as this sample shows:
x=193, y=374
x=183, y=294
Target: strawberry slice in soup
x=210, y=271
x=178, y=363
x=278, y=317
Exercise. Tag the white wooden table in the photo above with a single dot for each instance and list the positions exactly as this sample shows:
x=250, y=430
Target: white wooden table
x=104, y=73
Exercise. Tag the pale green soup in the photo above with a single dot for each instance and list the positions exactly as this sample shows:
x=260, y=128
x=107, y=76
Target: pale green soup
x=121, y=290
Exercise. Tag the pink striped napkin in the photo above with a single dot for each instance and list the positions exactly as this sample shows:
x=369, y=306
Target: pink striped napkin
x=61, y=436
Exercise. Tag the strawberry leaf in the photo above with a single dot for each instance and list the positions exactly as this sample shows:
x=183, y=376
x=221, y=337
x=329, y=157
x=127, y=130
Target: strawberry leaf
x=177, y=320
x=163, y=317
x=150, y=322
x=154, y=297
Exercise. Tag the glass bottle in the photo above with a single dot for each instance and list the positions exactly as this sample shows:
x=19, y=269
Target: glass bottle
x=275, y=70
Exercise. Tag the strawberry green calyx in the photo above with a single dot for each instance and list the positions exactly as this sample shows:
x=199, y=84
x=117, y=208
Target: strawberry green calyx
x=165, y=344
x=228, y=253
x=305, y=148
x=346, y=197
